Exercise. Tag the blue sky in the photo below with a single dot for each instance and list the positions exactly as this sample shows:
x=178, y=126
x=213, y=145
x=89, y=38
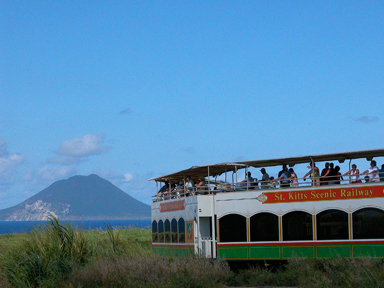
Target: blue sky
x=131, y=90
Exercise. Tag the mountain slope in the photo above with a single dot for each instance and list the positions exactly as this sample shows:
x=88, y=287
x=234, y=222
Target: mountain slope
x=79, y=197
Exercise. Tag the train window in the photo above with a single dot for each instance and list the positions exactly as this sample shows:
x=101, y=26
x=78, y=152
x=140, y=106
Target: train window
x=174, y=230
x=264, y=227
x=181, y=230
x=154, y=232
x=332, y=225
x=161, y=231
x=368, y=223
x=167, y=230
x=233, y=228
x=297, y=225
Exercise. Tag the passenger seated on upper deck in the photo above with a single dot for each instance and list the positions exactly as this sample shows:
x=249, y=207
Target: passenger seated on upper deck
x=200, y=183
x=178, y=190
x=272, y=184
x=189, y=184
x=373, y=172
x=264, y=180
x=315, y=175
x=248, y=181
x=163, y=190
x=200, y=186
x=355, y=177
x=284, y=177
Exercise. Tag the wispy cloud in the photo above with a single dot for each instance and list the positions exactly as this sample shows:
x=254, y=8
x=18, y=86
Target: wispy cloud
x=85, y=146
x=188, y=149
x=135, y=185
x=8, y=164
x=53, y=173
x=64, y=160
x=37, y=180
x=367, y=119
x=3, y=148
x=239, y=158
x=126, y=111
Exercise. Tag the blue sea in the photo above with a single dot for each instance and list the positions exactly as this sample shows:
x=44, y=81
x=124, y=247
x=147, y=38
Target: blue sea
x=10, y=227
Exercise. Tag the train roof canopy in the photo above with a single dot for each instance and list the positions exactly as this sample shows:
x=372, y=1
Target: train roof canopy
x=218, y=169
x=291, y=161
x=200, y=171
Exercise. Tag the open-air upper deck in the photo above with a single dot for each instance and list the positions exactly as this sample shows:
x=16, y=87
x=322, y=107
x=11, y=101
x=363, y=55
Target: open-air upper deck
x=223, y=177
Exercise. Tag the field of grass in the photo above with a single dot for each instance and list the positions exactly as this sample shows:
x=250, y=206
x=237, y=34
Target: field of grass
x=60, y=256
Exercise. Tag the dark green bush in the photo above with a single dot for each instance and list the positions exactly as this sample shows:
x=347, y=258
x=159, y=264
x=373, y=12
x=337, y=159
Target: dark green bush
x=141, y=271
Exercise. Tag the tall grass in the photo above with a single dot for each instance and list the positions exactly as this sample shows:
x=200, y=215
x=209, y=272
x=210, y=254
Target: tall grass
x=46, y=256
x=58, y=255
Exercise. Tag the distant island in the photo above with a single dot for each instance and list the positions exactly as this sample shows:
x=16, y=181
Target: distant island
x=79, y=198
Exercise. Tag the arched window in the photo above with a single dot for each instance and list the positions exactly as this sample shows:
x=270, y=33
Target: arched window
x=161, y=231
x=174, y=230
x=167, y=229
x=154, y=231
x=368, y=223
x=264, y=227
x=332, y=225
x=297, y=226
x=233, y=228
x=181, y=230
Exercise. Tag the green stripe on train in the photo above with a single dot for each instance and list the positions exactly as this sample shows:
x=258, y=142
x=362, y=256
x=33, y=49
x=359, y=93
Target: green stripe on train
x=281, y=252
x=172, y=251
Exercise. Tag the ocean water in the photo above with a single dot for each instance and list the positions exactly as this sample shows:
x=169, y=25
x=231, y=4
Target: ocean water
x=10, y=227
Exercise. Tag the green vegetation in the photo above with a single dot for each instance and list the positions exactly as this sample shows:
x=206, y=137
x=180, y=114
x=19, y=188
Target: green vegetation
x=58, y=255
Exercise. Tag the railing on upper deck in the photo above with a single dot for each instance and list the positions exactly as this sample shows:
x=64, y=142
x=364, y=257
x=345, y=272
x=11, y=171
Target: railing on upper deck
x=225, y=187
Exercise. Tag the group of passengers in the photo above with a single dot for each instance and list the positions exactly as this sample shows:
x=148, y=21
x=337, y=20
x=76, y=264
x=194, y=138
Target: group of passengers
x=172, y=191
x=286, y=177
x=330, y=175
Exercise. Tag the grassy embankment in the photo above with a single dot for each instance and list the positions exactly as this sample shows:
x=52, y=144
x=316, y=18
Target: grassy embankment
x=60, y=256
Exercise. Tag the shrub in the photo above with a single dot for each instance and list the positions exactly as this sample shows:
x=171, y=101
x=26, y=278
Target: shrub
x=142, y=271
x=338, y=272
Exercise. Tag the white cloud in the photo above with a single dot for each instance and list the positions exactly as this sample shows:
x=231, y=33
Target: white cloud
x=128, y=177
x=117, y=179
x=54, y=173
x=85, y=146
x=8, y=164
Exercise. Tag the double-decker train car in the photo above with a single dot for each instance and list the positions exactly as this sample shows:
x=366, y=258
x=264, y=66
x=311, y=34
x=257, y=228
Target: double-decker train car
x=219, y=217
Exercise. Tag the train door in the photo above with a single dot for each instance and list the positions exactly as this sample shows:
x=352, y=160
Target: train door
x=206, y=239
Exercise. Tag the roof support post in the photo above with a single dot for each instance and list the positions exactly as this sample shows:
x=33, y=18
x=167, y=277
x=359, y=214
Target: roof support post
x=312, y=172
x=349, y=175
x=209, y=182
x=246, y=175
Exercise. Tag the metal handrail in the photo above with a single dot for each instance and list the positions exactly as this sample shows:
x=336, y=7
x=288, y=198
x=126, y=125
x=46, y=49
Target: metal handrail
x=233, y=187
